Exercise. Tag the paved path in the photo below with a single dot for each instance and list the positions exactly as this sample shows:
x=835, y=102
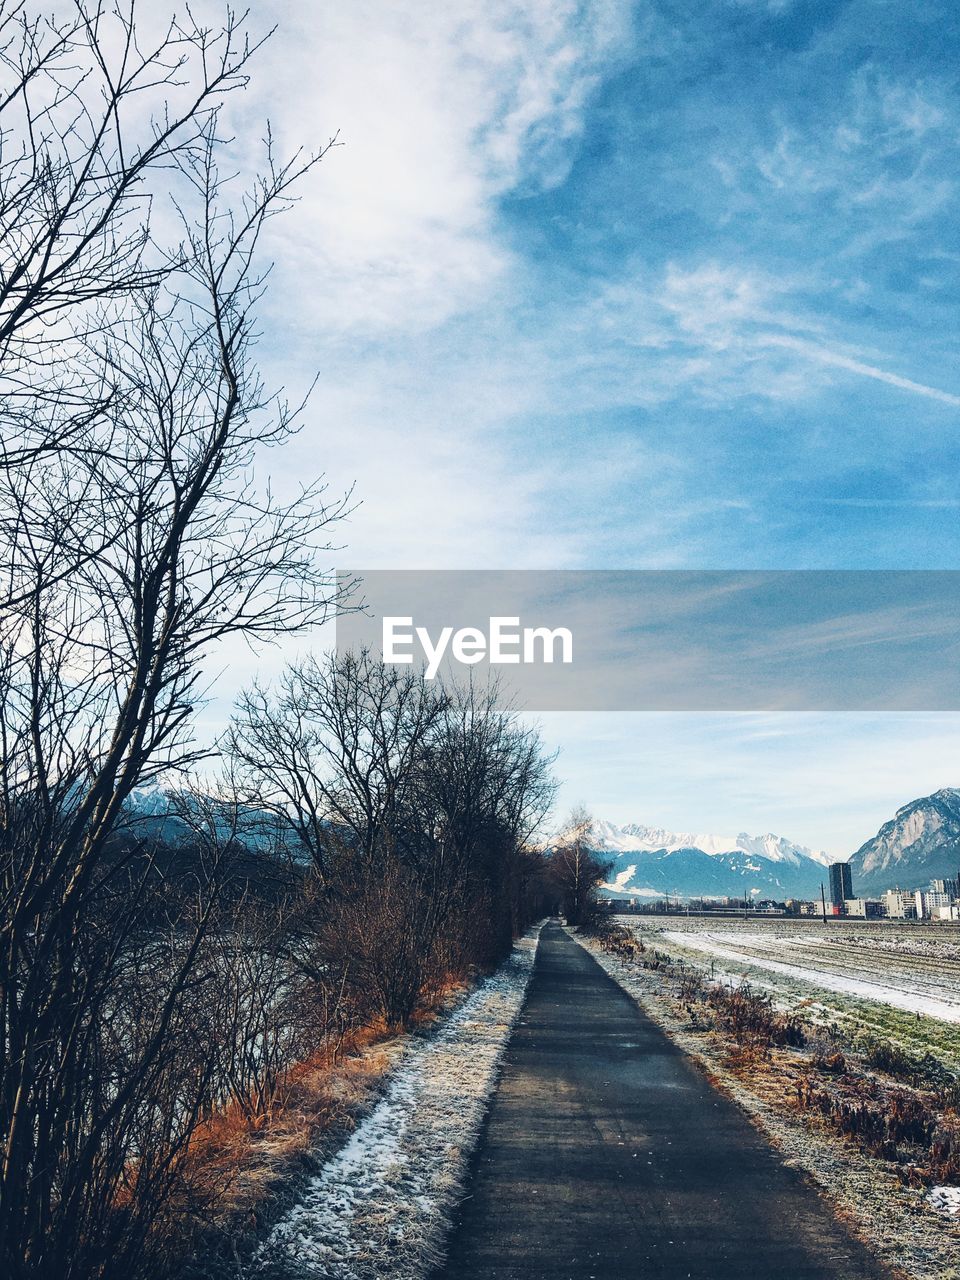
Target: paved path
x=608, y=1156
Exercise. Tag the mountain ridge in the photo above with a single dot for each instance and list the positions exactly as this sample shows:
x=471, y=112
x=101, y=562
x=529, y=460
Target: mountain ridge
x=653, y=861
x=921, y=842
x=635, y=837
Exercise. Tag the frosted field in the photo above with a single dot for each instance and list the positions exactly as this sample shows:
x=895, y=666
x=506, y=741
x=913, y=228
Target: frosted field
x=878, y=977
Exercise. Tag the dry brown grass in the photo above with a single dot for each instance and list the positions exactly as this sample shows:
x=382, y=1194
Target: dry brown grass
x=235, y=1160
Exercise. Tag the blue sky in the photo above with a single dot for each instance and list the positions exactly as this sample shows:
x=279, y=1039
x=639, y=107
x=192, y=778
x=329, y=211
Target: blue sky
x=661, y=285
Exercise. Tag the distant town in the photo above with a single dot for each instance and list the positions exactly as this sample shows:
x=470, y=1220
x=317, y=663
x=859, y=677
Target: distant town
x=940, y=901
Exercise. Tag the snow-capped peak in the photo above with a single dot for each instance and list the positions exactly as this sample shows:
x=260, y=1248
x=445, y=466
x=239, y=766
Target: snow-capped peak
x=607, y=837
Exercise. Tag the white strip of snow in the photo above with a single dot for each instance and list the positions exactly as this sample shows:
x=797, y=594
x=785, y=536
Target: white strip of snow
x=381, y=1207
x=896, y=997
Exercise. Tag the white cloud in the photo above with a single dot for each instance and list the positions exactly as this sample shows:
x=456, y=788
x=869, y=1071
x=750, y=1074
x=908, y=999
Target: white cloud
x=885, y=155
x=723, y=331
x=441, y=109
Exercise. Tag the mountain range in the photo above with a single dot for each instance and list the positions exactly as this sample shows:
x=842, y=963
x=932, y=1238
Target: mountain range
x=653, y=862
x=920, y=843
x=153, y=812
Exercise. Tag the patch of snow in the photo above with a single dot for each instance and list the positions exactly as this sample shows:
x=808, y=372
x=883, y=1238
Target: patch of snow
x=381, y=1207
x=945, y=1200
x=622, y=879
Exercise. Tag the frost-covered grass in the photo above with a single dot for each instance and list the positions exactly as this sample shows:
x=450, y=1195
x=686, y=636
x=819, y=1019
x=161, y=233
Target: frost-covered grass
x=900, y=994
x=382, y=1206
x=945, y=1200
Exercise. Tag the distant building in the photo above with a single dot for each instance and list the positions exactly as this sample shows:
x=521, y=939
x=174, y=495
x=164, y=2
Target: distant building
x=868, y=908
x=929, y=902
x=900, y=905
x=841, y=883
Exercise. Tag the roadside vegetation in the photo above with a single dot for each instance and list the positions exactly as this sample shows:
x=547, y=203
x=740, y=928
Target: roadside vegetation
x=381, y=1207
x=910, y=967
x=913, y=960
x=576, y=871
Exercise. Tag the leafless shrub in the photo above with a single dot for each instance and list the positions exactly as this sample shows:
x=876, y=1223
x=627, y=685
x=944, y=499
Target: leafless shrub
x=923, y=1070
x=908, y=1129
x=691, y=986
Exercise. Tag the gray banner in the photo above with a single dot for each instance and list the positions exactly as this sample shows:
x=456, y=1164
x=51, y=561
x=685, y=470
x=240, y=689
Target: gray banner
x=639, y=640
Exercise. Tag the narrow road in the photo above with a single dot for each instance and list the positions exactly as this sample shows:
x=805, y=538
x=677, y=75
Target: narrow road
x=608, y=1156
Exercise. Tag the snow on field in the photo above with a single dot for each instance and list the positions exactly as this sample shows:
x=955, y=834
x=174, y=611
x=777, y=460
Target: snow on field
x=899, y=993
x=380, y=1208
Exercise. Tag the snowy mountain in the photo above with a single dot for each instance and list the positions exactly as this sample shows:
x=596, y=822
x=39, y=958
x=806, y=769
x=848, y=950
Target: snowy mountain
x=635, y=838
x=154, y=812
x=921, y=842
x=653, y=861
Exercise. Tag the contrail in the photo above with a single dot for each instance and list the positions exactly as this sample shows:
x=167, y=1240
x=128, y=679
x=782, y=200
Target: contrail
x=824, y=356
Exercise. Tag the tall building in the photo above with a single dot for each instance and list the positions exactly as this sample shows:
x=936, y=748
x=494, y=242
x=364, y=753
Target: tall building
x=841, y=883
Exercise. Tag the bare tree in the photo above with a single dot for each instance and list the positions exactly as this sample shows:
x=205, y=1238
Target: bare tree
x=143, y=986
x=335, y=753
x=487, y=787
x=90, y=111
x=414, y=807
x=575, y=868
x=97, y=118
x=133, y=552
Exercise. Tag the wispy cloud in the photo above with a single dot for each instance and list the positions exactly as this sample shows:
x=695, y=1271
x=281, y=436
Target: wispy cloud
x=739, y=321
x=441, y=109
